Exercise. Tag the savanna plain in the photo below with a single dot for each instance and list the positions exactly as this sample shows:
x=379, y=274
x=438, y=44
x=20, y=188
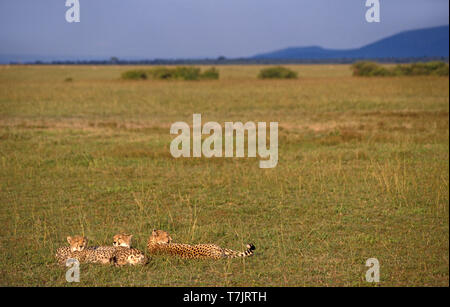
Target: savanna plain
x=363, y=172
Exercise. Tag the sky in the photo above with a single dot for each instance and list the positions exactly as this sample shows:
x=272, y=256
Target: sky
x=149, y=29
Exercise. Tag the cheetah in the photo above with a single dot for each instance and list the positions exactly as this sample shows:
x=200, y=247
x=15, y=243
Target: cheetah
x=125, y=254
x=79, y=250
x=77, y=244
x=161, y=242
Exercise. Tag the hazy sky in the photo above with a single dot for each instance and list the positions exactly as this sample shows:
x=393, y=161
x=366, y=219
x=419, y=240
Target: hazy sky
x=202, y=28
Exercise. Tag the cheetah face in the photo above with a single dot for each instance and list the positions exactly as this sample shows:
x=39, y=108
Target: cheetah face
x=77, y=243
x=122, y=240
x=160, y=236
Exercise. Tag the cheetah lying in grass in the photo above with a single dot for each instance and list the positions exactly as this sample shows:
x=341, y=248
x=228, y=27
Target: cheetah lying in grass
x=125, y=254
x=161, y=242
x=120, y=253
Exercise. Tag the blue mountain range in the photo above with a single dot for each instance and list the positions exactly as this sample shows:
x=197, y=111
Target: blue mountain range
x=430, y=42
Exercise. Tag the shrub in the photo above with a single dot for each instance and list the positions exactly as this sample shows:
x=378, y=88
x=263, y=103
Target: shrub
x=177, y=73
x=210, y=74
x=402, y=70
x=181, y=73
x=134, y=75
x=369, y=69
x=441, y=71
x=187, y=73
x=422, y=69
x=277, y=72
x=161, y=73
x=438, y=68
x=68, y=79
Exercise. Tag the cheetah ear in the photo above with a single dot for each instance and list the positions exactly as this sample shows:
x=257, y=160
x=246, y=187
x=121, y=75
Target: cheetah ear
x=69, y=239
x=170, y=239
x=154, y=232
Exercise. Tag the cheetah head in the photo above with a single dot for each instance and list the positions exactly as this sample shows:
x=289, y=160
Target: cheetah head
x=77, y=243
x=160, y=236
x=122, y=240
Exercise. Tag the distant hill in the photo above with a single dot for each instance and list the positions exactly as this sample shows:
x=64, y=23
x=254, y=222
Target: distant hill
x=431, y=42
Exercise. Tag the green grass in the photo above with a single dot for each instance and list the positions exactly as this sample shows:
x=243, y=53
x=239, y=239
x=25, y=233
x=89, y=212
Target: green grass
x=363, y=172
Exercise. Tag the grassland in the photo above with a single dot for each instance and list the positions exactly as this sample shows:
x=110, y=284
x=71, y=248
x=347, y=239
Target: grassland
x=363, y=172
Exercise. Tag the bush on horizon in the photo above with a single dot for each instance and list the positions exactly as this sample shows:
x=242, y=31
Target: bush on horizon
x=277, y=72
x=137, y=74
x=210, y=74
x=372, y=69
x=369, y=69
x=177, y=73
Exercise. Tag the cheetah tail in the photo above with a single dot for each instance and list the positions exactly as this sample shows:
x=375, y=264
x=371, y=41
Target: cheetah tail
x=247, y=253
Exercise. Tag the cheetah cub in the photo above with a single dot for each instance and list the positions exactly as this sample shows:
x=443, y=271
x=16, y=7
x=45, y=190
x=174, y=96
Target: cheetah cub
x=125, y=254
x=161, y=242
x=79, y=250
